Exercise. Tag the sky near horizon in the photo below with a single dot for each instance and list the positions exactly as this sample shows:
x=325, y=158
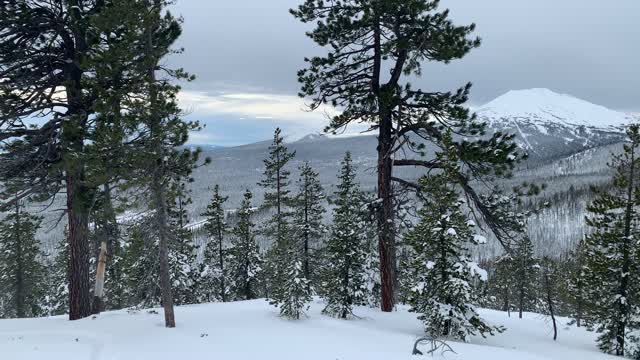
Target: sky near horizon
x=245, y=54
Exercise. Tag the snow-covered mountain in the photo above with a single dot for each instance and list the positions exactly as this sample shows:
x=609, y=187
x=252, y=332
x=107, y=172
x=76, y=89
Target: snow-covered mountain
x=549, y=124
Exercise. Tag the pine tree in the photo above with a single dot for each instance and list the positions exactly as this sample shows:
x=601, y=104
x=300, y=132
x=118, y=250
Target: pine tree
x=612, y=264
x=373, y=48
x=549, y=283
x=21, y=271
x=140, y=264
x=277, y=198
x=184, y=268
x=308, y=214
x=343, y=279
x=577, y=283
x=525, y=268
x=57, y=297
x=277, y=195
x=441, y=270
x=157, y=155
x=296, y=292
x=245, y=263
x=372, y=261
x=502, y=283
x=117, y=293
x=216, y=256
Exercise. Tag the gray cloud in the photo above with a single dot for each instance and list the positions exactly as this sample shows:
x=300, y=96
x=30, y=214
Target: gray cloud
x=587, y=48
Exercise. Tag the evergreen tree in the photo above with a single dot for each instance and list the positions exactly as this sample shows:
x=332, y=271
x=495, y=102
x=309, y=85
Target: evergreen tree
x=57, y=297
x=308, y=214
x=577, y=285
x=277, y=195
x=524, y=272
x=245, y=263
x=612, y=264
x=140, y=264
x=373, y=48
x=549, y=284
x=343, y=279
x=295, y=292
x=502, y=283
x=160, y=161
x=184, y=268
x=21, y=272
x=441, y=270
x=277, y=198
x=372, y=262
x=116, y=291
x=216, y=257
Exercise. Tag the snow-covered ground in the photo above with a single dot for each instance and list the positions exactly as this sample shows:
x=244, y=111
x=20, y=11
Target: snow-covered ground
x=253, y=330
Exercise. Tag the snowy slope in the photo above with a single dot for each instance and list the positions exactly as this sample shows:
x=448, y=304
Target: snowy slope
x=545, y=106
x=547, y=123
x=253, y=330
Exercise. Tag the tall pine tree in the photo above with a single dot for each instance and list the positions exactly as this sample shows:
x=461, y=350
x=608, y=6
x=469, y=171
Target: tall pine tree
x=277, y=196
x=524, y=273
x=612, y=264
x=157, y=156
x=343, y=279
x=308, y=214
x=216, y=257
x=283, y=255
x=373, y=49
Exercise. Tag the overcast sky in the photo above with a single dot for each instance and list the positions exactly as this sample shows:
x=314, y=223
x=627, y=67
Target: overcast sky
x=245, y=54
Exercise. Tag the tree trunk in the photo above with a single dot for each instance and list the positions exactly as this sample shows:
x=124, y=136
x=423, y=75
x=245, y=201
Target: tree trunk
x=79, y=294
x=157, y=186
x=624, y=281
x=223, y=293
x=98, y=291
x=579, y=313
x=247, y=285
x=108, y=245
x=306, y=231
x=505, y=305
x=386, y=241
x=20, y=295
x=550, y=305
x=165, y=277
x=521, y=301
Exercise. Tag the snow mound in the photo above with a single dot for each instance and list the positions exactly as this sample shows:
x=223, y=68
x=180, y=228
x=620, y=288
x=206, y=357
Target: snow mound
x=546, y=106
x=252, y=330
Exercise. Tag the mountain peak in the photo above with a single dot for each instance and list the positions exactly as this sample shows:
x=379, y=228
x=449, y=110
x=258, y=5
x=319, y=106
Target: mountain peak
x=546, y=106
x=311, y=137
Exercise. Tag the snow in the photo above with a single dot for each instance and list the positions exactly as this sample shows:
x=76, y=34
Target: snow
x=545, y=106
x=480, y=239
x=253, y=330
